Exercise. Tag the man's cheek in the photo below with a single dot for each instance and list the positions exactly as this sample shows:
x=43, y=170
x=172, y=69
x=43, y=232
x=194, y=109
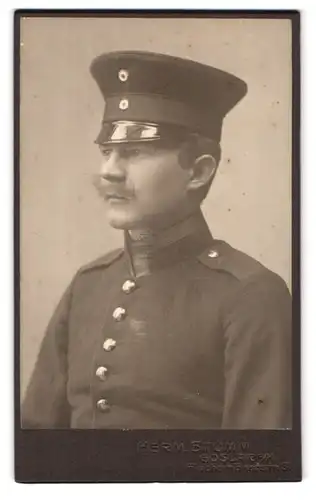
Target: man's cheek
x=148, y=189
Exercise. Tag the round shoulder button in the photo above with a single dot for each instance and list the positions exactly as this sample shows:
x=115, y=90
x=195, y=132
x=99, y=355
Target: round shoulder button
x=213, y=254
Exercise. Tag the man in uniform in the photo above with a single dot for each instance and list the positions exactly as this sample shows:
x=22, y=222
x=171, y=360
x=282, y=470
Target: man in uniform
x=177, y=329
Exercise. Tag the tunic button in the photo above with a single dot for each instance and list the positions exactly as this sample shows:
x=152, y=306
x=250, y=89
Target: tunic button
x=103, y=405
x=109, y=344
x=119, y=313
x=213, y=254
x=101, y=372
x=128, y=286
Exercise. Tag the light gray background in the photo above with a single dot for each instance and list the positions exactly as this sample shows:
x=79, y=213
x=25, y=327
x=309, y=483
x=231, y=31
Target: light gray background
x=63, y=222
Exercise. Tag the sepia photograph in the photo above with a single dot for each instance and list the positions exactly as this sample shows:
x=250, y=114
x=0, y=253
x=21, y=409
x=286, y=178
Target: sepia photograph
x=156, y=231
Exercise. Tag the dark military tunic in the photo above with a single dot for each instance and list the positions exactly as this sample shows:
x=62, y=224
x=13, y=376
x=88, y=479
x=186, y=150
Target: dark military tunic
x=179, y=331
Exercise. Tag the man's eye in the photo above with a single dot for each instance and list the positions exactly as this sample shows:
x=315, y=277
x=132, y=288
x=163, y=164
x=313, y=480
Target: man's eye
x=130, y=152
x=106, y=152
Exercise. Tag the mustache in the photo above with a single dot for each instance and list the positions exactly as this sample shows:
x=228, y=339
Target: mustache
x=106, y=189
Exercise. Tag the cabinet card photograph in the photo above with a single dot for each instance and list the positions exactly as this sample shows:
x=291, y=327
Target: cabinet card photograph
x=156, y=263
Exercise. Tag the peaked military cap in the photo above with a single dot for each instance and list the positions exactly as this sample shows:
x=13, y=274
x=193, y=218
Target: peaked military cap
x=148, y=95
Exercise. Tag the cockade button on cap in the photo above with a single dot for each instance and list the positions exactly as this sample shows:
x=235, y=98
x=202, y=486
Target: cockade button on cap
x=123, y=104
x=103, y=405
x=109, y=344
x=123, y=75
x=101, y=372
x=213, y=254
x=128, y=286
x=119, y=313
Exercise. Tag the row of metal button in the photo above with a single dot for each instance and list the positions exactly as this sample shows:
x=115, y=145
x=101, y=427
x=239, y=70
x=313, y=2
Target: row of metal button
x=109, y=344
x=120, y=313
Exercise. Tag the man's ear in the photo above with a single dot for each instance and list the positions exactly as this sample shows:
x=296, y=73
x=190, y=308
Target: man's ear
x=202, y=171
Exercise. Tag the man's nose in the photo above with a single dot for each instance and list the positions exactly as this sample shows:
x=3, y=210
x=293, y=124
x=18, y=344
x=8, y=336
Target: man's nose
x=113, y=168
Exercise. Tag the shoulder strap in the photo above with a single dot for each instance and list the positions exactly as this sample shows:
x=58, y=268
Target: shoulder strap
x=222, y=257
x=104, y=261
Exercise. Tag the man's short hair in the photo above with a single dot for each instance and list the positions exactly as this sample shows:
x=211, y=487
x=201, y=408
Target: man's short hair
x=191, y=148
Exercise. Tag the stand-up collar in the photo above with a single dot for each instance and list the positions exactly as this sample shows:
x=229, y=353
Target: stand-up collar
x=150, y=251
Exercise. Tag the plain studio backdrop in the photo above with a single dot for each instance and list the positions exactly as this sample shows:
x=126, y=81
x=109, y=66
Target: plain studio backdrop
x=63, y=221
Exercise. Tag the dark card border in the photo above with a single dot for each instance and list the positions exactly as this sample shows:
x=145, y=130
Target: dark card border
x=43, y=456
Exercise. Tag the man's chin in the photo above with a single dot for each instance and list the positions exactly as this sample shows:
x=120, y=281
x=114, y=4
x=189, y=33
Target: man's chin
x=122, y=220
x=128, y=220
